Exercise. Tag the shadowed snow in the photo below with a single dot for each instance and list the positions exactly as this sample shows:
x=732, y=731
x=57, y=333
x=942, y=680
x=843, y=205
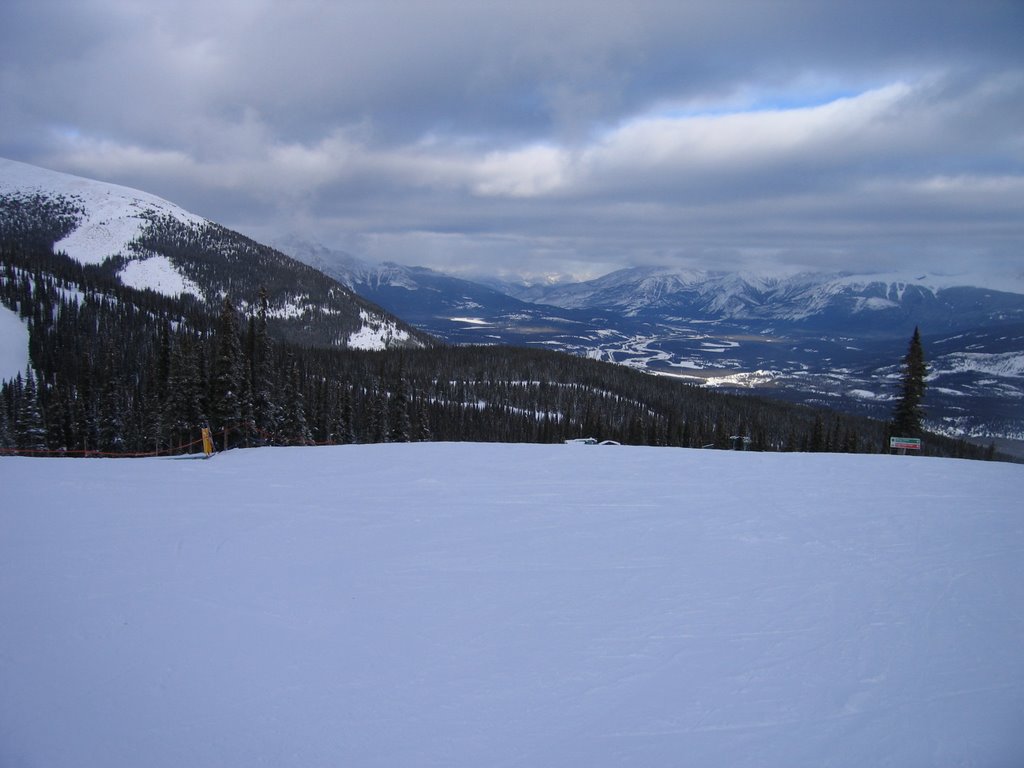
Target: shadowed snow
x=511, y=605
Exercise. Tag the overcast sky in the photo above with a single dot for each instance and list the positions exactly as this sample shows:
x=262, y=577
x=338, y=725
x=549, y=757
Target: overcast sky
x=562, y=136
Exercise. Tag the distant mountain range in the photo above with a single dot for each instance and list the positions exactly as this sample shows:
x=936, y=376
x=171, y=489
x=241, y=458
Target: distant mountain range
x=861, y=302
x=821, y=339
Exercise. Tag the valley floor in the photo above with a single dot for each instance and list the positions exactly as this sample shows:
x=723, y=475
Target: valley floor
x=511, y=605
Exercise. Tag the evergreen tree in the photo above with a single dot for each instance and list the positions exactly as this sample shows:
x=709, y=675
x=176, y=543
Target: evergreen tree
x=423, y=433
x=86, y=412
x=294, y=427
x=5, y=434
x=184, y=412
x=342, y=432
x=111, y=422
x=399, y=421
x=247, y=430
x=850, y=441
x=721, y=437
x=377, y=425
x=909, y=414
x=56, y=420
x=163, y=364
x=226, y=384
x=152, y=424
x=817, y=444
x=266, y=412
x=30, y=430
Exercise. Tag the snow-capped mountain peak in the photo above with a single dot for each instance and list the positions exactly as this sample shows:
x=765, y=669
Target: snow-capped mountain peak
x=111, y=217
x=639, y=291
x=159, y=246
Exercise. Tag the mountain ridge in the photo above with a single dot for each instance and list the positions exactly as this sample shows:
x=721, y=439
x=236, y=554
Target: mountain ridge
x=147, y=242
x=748, y=296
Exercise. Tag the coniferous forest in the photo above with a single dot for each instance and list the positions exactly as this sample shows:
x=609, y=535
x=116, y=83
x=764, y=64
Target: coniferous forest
x=120, y=371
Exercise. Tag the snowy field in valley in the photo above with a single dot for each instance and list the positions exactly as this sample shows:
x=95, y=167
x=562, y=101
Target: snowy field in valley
x=511, y=605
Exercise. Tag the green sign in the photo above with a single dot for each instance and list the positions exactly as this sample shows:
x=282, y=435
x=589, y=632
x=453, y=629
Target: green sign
x=906, y=443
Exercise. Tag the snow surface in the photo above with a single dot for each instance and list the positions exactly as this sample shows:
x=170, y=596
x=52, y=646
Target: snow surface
x=863, y=394
x=1000, y=364
x=934, y=282
x=13, y=344
x=376, y=334
x=511, y=605
x=158, y=274
x=114, y=215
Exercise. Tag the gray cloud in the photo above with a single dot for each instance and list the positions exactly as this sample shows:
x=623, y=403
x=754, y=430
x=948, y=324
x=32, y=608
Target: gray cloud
x=553, y=136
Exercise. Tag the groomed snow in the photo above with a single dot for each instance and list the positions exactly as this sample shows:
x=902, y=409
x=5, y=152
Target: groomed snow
x=13, y=344
x=511, y=605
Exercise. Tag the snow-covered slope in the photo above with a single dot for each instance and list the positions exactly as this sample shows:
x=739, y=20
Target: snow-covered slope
x=376, y=334
x=163, y=248
x=159, y=274
x=494, y=605
x=13, y=344
x=111, y=216
x=795, y=297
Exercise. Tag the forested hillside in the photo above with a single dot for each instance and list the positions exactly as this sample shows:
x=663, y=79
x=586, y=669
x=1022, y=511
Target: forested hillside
x=121, y=371
x=148, y=243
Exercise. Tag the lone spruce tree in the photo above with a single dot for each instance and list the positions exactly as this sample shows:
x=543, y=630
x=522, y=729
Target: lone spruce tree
x=907, y=417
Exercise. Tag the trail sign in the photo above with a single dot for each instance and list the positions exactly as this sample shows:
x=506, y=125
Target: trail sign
x=905, y=443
